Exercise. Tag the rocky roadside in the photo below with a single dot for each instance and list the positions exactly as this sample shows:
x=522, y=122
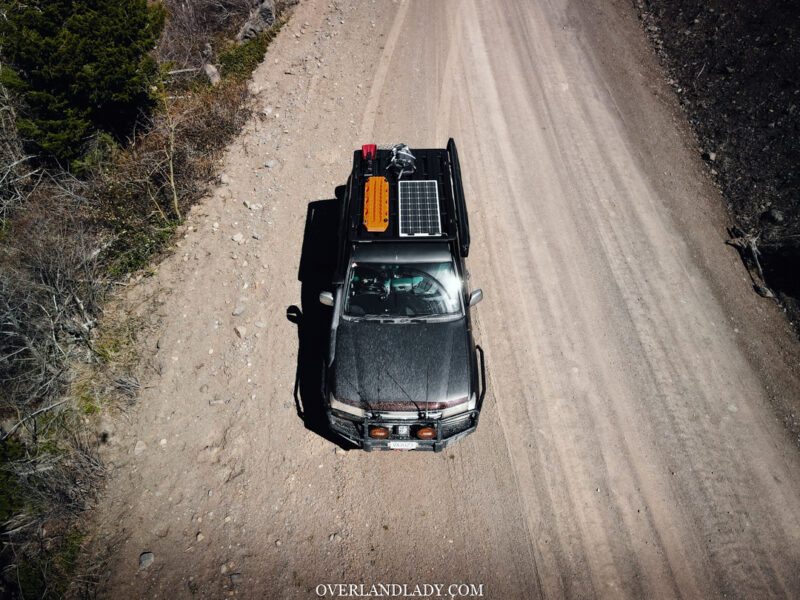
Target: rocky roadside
x=735, y=67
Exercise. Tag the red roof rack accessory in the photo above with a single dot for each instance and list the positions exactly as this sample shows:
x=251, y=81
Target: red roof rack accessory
x=369, y=151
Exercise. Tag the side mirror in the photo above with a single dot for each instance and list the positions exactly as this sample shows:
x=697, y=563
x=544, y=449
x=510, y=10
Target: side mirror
x=475, y=297
x=326, y=298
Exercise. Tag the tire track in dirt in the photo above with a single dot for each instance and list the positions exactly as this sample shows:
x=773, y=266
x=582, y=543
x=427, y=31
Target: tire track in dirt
x=608, y=461
x=662, y=341
x=559, y=275
x=371, y=109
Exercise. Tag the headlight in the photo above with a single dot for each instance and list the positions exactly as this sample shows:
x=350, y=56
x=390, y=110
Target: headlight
x=346, y=408
x=459, y=408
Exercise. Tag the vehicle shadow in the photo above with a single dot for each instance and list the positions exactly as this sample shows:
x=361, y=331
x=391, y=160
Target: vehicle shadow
x=313, y=320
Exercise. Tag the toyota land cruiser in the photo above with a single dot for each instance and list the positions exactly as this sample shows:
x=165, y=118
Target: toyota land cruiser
x=402, y=370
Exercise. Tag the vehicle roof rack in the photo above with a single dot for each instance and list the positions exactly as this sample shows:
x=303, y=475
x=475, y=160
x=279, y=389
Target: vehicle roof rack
x=384, y=204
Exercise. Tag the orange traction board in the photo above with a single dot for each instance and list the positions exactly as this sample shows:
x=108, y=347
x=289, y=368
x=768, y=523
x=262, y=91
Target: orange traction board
x=376, y=204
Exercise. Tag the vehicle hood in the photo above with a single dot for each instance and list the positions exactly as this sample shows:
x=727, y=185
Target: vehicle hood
x=392, y=366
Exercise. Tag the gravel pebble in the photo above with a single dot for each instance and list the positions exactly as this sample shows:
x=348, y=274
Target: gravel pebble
x=146, y=559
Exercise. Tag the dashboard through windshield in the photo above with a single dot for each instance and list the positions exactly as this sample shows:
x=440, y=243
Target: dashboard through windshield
x=403, y=291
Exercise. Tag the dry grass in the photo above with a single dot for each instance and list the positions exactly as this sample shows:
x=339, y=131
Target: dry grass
x=65, y=360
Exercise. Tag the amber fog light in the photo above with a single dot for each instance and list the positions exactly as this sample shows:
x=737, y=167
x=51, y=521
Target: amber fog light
x=426, y=433
x=379, y=432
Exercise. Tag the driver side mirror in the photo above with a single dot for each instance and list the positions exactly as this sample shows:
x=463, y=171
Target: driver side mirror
x=475, y=297
x=326, y=298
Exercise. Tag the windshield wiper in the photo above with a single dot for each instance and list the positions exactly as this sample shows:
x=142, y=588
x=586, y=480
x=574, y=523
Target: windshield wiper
x=403, y=319
x=365, y=317
x=409, y=319
x=441, y=317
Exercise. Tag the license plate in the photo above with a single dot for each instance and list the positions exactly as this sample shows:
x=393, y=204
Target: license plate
x=402, y=445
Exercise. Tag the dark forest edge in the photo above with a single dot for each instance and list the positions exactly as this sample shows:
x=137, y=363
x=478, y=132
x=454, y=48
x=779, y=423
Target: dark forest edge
x=735, y=67
x=95, y=174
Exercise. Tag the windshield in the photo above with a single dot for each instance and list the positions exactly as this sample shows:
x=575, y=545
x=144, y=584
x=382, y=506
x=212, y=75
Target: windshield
x=402, y=290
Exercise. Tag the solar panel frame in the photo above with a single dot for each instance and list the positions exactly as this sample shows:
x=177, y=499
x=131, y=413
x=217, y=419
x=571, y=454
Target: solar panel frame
x=418, y=205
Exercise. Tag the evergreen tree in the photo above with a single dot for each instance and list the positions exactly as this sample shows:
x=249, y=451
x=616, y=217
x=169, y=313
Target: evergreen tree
x=79, y=66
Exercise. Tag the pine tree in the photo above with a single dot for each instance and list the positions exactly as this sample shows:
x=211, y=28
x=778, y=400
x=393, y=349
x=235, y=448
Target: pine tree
x=79, y=66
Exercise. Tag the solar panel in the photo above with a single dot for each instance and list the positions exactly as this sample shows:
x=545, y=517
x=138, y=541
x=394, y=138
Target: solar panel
x=419, y=208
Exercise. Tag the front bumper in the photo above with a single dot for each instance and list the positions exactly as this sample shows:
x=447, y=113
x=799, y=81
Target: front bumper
x=402, y=431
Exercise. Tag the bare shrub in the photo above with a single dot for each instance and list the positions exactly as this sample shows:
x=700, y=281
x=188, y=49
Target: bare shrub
x=192, y=24
x=41, y=543
x=17, y=176
x=56, y=484
x=50, y=288
x=65, y=240
x=175, y=158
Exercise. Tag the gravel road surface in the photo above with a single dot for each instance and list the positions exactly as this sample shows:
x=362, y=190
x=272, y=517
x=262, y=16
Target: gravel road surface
x=628, y=445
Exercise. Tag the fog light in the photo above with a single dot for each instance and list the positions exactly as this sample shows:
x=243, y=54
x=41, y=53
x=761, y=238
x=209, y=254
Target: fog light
x=426, y=433
x=379, y=432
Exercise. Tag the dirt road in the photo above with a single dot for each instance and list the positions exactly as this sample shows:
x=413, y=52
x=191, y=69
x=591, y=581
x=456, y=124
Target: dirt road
x=628, y=446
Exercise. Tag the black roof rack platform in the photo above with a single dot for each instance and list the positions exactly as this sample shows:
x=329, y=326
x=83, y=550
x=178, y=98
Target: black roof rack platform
x=427, y=204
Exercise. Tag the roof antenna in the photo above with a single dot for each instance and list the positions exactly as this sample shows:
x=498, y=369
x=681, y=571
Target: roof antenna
x=402, y=160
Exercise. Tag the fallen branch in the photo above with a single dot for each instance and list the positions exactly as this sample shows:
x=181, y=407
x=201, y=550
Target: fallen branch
x=30, y=416
x=749, y=242
x=179, y=71
x=170, y=155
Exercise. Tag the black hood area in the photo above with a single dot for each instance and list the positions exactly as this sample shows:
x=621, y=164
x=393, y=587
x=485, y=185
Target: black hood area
x=392, y=366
